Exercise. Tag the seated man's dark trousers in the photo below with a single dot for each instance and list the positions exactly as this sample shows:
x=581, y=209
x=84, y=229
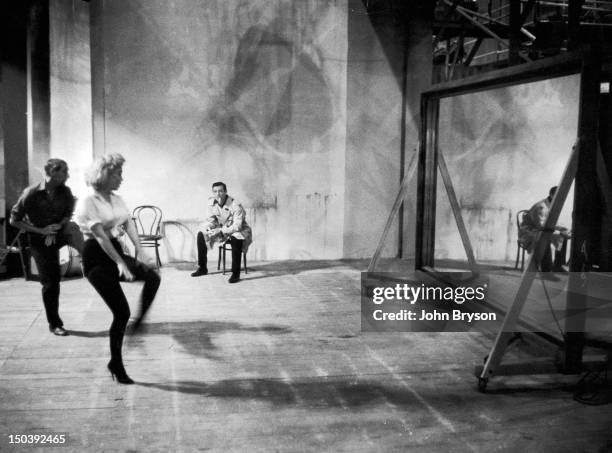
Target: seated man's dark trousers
x=47, y=262
x=236, y=253
x=547, y=264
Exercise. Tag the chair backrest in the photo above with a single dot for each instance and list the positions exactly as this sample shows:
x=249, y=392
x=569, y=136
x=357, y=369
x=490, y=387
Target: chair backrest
x=148, y=220
x=519, y=218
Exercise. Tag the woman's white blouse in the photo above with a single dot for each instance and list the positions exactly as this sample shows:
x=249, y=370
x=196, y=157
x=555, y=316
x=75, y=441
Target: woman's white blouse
x=95, y=209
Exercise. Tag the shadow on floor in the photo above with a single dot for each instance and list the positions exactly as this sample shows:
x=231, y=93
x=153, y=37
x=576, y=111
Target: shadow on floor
x=85, y=334
x=197, y=337
x=345, y=393
x=286, y=267
x=309, y=393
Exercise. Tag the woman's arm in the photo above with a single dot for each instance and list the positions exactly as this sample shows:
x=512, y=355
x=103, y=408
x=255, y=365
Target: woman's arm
x=100, y=235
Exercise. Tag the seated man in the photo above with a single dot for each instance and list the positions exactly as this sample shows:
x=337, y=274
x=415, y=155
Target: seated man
x=533, y=223
x=44, y=211
x=225, y=221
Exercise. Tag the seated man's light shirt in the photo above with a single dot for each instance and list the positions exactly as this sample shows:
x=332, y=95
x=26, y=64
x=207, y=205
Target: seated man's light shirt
x=94, y=209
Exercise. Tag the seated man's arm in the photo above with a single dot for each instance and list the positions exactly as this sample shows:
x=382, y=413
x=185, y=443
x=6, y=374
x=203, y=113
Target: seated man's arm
x=238, y=216
x=539, y=214
x=563, y=231
x=211, y=224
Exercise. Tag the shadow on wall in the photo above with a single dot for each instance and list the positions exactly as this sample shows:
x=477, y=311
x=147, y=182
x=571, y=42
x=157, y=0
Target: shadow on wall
x=179, y=238
x=178, y=241
x=249, y=101
x=310, y=223
x=272, y=129
x=275, y=85
x=488, y=225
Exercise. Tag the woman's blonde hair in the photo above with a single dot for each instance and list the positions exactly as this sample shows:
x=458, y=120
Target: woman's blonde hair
x=98, y=174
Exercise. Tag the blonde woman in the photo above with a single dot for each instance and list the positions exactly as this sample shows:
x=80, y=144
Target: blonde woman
x=103, y=217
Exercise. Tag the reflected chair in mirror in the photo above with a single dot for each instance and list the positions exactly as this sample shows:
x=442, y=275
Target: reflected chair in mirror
x=224, y=247
x=520, y=247
x=148, y=221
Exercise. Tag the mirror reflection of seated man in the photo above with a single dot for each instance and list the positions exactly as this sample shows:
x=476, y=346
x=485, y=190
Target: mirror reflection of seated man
x=225, y=222
x=533, y=223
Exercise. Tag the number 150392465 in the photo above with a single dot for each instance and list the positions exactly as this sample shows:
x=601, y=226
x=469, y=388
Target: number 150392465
x=55, y=439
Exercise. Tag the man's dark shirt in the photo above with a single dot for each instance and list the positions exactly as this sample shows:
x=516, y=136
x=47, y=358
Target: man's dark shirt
x=40, y=209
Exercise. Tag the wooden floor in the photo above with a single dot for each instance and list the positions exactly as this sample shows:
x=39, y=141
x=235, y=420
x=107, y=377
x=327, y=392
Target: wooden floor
x=274, y=363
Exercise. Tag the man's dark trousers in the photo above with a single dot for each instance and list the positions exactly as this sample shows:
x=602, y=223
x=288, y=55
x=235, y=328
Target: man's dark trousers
x=236, y=253
x=547, y=264
x=47, y=262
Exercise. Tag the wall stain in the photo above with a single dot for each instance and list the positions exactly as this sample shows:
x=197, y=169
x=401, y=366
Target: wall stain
x=276, y=89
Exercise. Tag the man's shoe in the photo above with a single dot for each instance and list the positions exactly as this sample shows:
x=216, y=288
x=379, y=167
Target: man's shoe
x=200, y=271
x=560, y=269
x=235, y=278
x=59, y=331
x=549, y=276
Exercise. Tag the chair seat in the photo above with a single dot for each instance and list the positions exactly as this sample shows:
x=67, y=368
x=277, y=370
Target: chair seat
x=155, y=237
x=224, y=247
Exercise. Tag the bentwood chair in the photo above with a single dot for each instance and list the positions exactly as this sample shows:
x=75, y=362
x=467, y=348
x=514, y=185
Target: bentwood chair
x=148, y=221
x=520, y=247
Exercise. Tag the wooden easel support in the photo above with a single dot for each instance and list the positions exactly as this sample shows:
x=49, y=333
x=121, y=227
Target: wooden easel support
x=448, y=184
x=597, y=362
x=452, y=198
x=604, y=181
x=401, y=195
x=505, y=332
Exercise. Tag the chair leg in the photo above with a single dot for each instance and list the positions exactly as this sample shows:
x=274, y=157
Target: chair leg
x=81, y=265
x=219, y=260
x=245, y=264
x=518, y=253
x=223, y=260
x=21, y=258
x=23, y=266
x=157, y=255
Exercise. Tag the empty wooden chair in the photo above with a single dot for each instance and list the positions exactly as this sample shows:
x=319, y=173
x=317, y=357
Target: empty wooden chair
x=520, y=247
x=148, y=221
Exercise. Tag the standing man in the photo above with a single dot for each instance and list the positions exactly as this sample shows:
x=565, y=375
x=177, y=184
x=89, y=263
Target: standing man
x=225, y=222
x=533, y=223
x=44, y=211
